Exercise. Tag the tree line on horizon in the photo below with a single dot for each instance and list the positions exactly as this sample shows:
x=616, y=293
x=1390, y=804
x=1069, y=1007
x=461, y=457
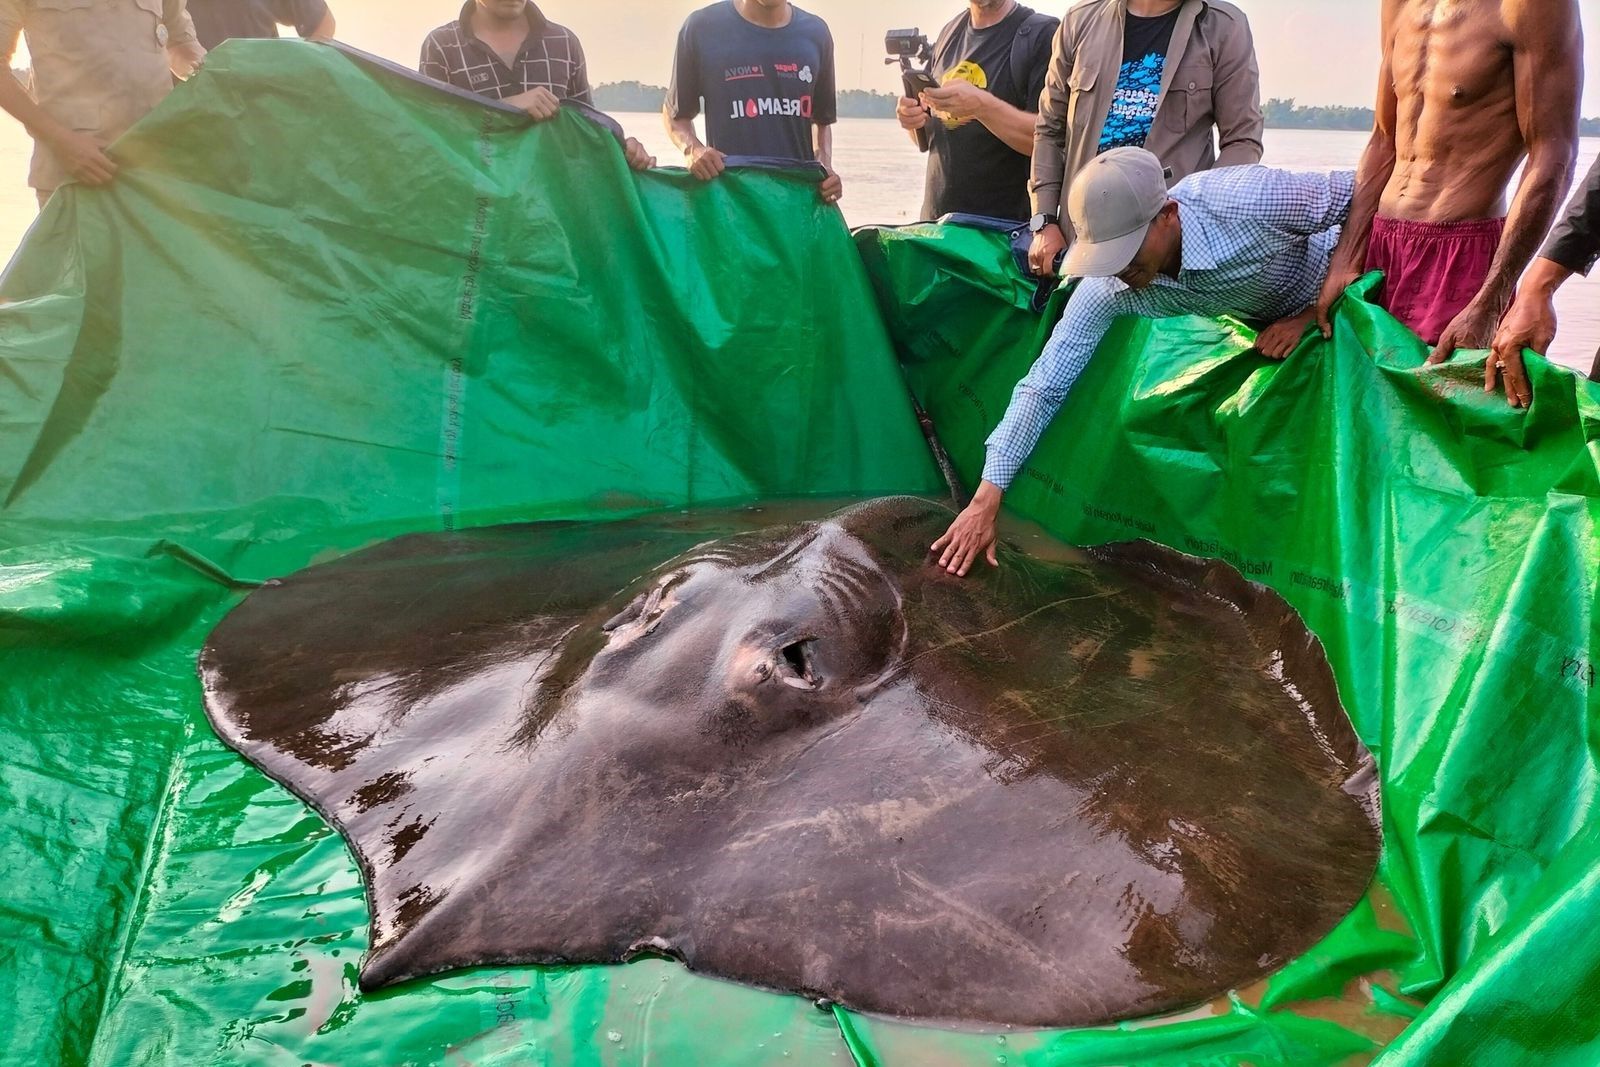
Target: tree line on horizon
x=1280, y=113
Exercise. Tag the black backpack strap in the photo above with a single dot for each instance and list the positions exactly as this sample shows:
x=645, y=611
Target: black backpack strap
x=946, y=35
x=1022, y=52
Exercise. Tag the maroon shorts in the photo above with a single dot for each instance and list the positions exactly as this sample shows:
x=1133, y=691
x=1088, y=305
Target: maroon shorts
x=1431, y=270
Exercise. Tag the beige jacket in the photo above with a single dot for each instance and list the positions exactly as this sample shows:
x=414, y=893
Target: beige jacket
x=99, y=66
x=1211, y=80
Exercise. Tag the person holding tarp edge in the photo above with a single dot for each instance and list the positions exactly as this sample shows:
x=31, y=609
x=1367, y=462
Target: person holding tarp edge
x=99, y=66
x=1573, y=248
x=1251, y=242
x=977, y=124
x=508, y=51
x=764, y=71
x=1469, y=91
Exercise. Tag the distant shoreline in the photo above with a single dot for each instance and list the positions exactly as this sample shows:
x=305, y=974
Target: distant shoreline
x=859, y=104
x=1280, y=114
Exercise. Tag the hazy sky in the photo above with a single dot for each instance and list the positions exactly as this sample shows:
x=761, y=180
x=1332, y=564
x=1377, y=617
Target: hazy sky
x=1318, y=51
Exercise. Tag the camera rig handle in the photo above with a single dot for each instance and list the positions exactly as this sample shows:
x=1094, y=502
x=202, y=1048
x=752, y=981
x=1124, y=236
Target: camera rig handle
x=909, y=48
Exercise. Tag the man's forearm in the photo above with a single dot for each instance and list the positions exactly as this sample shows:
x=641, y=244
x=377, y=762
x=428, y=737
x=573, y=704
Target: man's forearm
x=1012, y=125
x=180, y=26
x=682, y=133
x=1377, y=167
x=1544, y=277
x=1544, y=183
x=15, y=101
x=1048, y=172
x=1007, y=450
x=1242, y=152
x=1049, y=168
x=822, y=142
x=1037, y=400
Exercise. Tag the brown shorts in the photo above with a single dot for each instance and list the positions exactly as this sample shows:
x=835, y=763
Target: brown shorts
x=1431, y=270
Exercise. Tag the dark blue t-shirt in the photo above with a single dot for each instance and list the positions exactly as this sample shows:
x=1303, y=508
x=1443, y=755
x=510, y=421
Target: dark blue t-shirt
x=764, y=89
x=216, y=21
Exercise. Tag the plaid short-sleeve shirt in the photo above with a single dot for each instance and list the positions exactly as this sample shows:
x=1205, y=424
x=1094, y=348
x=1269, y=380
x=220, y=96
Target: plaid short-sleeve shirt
x=550, y=57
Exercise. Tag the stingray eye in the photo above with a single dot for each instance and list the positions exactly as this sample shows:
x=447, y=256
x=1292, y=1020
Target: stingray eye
x=646, y=608
x=796, y=665
x=627, y=615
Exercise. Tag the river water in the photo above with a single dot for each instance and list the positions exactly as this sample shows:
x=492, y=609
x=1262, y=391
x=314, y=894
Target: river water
x=883, y=172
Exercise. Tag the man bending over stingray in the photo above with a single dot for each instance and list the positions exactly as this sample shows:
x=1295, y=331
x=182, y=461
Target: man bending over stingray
x=1245, y=241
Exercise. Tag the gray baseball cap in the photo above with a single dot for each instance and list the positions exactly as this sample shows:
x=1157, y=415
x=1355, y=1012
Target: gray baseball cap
x=1112, y=203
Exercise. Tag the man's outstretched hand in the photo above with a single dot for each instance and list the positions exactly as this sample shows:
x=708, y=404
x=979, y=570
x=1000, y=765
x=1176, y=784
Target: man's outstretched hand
x=972, y=534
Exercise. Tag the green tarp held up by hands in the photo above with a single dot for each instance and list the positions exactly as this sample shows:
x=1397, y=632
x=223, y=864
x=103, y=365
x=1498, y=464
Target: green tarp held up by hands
x=326, y=304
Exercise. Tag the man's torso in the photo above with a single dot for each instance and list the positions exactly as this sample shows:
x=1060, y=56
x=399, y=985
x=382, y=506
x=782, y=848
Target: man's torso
x=216, y=21
x=99, y=66
x=760, y=85
x=970, y=170
x=1457, y=137
x=550, y=57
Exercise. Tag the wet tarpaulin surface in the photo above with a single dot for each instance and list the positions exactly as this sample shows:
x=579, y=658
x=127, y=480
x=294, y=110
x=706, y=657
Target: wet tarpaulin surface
x=326, y=305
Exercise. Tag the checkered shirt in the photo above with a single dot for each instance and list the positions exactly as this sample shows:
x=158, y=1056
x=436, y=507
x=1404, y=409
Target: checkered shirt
x=1256, y=245
x=551, y=57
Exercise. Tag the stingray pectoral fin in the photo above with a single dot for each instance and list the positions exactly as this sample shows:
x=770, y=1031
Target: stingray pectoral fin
x=408, y=944
x=384, y=967
x=499, y=916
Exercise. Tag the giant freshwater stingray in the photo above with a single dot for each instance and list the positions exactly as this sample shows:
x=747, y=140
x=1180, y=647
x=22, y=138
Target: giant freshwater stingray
x=1052, y=794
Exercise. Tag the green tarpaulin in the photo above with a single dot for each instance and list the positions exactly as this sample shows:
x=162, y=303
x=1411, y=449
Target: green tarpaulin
x=326, y=304
x=1445, y=549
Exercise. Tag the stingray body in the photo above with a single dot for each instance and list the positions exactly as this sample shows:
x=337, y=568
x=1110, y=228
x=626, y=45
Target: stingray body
x=1052, y=794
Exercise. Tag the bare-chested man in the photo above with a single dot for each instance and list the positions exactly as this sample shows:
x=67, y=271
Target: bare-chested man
x=1468, y=90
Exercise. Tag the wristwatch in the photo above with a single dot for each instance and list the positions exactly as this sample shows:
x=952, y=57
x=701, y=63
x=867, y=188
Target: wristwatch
x=1042, y=220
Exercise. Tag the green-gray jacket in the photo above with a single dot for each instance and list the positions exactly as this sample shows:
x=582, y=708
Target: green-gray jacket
x=1211, y=80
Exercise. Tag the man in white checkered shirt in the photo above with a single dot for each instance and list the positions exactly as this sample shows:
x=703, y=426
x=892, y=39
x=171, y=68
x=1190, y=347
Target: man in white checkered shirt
x=1250, y=242
x=508, y=50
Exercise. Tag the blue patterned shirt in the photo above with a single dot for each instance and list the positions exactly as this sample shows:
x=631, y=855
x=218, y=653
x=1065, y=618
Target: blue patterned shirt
x=1256, y=245
x=1135, y=103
